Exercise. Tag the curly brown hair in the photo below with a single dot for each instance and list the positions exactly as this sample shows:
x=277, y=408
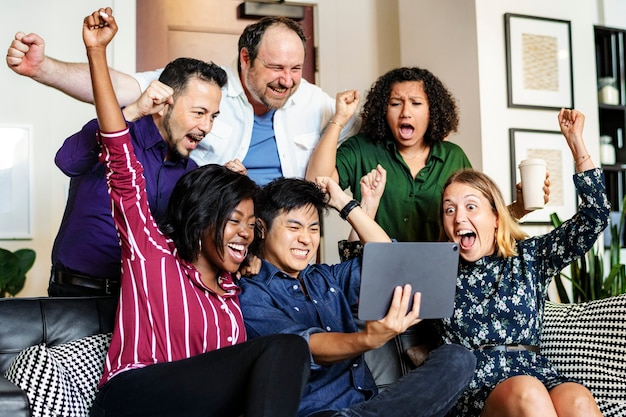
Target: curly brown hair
x=444, y=116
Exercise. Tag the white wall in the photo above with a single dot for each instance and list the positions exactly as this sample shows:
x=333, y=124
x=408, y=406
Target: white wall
x=497, y=118
x=469, y=56
x=357, y=42
x=441, y=37
x=612, y=13
x=52, y=115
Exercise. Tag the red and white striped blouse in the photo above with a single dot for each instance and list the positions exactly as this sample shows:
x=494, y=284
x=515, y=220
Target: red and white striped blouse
x=165, y=312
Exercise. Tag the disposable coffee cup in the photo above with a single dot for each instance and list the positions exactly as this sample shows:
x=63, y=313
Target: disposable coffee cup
x=533, y=175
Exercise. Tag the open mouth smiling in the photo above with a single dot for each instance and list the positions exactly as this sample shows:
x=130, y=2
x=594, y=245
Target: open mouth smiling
x=238, y=251
x=196, y=138
x=300, y=253
x=468, y=238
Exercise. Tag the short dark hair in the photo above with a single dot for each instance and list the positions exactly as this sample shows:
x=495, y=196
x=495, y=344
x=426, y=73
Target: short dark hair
x=202, y=201
x=253, y=34
x=178, y=73
x=444, y=116
x=286, y=194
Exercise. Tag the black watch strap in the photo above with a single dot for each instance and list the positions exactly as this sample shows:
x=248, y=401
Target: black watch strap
x=352, y=204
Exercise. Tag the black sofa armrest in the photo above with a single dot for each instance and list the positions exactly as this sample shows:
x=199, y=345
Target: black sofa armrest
x=13, y=401
x=25, y=322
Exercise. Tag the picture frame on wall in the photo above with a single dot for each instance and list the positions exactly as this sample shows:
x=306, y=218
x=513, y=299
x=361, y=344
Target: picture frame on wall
x=15, y=182
x=551, y=147
x=539, y=62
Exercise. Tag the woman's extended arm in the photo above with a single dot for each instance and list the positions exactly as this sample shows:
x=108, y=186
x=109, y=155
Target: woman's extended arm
x=99, y=28
x=322, y=160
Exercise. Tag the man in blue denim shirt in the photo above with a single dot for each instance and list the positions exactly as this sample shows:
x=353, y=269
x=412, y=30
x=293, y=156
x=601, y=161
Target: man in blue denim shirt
x=290, y=295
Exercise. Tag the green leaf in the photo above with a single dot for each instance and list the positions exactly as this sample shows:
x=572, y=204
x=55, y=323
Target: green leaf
x=26, y=259
x=16, y=285
x=560, y=288
x=9, y=268
x=554, y=219
x=13, y=269
x=589, y=278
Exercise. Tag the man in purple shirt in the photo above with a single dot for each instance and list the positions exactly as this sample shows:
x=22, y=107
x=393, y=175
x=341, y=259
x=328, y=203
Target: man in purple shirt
x=86, y=253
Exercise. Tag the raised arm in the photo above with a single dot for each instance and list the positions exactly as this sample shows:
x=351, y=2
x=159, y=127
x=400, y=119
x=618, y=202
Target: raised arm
x=372, y=189
x=99, y=28
x=363, y=224
x=572, y=123
x=322, y=160
x=26, y=56
x=151, y=101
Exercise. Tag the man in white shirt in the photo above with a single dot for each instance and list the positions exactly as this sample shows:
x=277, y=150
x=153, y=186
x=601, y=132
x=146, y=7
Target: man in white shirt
x=270, y=118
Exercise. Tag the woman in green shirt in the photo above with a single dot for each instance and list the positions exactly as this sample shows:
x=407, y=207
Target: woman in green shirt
x=406, y=118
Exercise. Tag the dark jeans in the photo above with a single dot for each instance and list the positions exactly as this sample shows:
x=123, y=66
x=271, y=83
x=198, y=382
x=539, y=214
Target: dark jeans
x=428, y=391
x=264, y=376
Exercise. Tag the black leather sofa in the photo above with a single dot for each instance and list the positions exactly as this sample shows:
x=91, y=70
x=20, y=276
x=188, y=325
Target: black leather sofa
x=25, y=322
x=585, y=341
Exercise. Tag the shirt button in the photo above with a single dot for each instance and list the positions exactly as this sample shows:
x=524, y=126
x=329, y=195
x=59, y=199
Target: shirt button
x=295, y=287
x=328, y=328
x=406, y=219
x=296, y=308
x=224, y=307
x=229, y=338
x=359, y=387
x=355, y=365
x=332, y=290
x=315, y=301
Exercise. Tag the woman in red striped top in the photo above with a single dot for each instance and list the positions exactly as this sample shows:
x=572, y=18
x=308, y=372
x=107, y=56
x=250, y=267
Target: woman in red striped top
x=179, y=344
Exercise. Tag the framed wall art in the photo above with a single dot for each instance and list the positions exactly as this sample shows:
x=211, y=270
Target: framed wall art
x=15, y=182
x=539, y=62
x=551, y=147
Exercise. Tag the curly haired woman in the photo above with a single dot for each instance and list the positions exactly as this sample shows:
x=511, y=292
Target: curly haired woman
x=406, y=117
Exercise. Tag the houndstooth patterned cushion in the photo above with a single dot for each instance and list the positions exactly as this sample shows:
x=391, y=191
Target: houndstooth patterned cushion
x=61, y=380
x=587, y=341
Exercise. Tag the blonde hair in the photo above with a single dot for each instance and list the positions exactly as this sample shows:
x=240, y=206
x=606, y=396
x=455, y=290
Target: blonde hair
x=509, y=231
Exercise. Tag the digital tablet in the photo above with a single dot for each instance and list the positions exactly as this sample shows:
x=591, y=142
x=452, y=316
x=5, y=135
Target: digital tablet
x=430, y=267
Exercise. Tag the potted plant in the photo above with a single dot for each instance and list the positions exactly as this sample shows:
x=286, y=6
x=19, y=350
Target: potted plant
x=588, y=278
x=13, y=268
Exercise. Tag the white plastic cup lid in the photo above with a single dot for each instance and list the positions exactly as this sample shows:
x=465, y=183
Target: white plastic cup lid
x=532, y=161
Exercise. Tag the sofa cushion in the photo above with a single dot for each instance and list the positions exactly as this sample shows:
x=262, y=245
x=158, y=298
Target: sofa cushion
x=586, y=341
x=61, y=380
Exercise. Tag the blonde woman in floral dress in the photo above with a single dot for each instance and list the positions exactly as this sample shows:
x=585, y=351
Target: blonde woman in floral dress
x=502, y=287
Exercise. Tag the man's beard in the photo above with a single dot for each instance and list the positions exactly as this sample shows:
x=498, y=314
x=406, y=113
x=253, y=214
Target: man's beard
x=261, y=96
x=173, y=154
x=272, y=106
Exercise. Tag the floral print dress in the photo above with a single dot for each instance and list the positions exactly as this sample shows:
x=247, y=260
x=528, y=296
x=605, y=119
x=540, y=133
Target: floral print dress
x=501, y=300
